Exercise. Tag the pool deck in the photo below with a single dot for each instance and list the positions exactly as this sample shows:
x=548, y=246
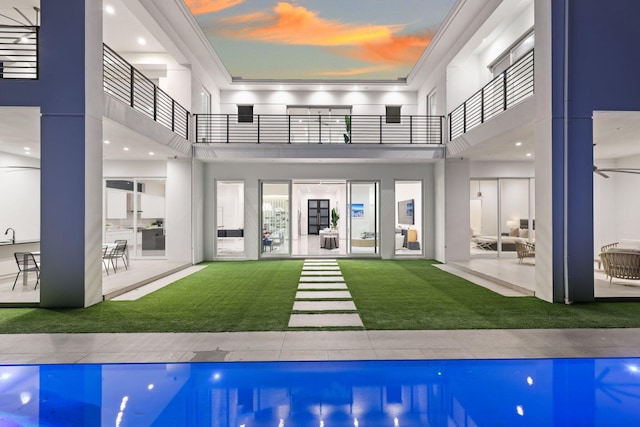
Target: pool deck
x=318, y=345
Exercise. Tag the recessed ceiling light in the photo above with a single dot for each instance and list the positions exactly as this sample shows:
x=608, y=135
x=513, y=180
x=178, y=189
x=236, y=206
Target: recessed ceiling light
x=27, y=148
x=518, y=144
x=126, y=148
x=141, y=41
x=529, y=154
x=151, y=153
x=106, y=141
x=109, y=9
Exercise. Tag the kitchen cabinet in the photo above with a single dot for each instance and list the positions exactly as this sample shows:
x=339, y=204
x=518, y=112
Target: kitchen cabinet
x=151, y=206
x=119, y=234
x=116, y=204
x=153, y=239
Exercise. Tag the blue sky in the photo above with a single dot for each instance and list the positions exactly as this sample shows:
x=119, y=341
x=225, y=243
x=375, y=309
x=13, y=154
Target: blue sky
x=320, y=39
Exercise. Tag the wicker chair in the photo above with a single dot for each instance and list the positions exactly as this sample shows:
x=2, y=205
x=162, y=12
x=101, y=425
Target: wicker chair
x=621, y=264
x=525, y=250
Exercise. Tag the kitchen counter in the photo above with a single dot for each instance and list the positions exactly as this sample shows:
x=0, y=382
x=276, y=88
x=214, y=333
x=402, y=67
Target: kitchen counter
x=17, y=242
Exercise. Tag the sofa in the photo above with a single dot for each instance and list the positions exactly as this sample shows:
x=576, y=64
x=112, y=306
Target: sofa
x=621, y=260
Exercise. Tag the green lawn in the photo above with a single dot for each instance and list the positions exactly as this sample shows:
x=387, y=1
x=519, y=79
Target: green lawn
x=417, y=295
x=259, y=295
x=225, y=296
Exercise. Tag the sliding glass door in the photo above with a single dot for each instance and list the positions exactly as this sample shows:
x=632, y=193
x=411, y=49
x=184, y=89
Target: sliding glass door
x=230, y=218
x=363, y=218
x=134, y=211
x=276, y=214
x=501, y=214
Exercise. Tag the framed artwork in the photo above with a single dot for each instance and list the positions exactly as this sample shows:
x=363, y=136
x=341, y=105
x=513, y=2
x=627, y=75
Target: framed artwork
x=357, y=210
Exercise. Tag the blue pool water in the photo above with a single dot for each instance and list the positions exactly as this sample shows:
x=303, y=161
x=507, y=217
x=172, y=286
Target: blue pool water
x=539, y=392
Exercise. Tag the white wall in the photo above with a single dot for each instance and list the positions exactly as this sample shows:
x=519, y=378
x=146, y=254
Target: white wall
x=463, y=80
x=135, y=169
x=276, y=102
x=457, y=217
x=615, y=203
x=439, y=210
x=503, y=39
x=495, y=169
x=197, y=231
x=178, y=220
x=20, y=195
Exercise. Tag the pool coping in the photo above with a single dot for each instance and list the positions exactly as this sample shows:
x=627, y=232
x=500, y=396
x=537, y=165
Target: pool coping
x=318, y=345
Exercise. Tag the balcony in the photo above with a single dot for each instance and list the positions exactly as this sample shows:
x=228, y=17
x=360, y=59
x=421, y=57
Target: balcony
x=130, y=86
x=318, y=129
x=19, y=52
x=511, y=87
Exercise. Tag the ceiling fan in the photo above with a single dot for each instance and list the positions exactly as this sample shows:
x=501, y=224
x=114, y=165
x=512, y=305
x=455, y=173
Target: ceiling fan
x=601, y=172
x=19, y=168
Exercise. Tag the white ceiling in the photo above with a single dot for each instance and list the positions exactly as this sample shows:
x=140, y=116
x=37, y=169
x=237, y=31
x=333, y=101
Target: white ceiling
x=616, y=134
x=504, y=147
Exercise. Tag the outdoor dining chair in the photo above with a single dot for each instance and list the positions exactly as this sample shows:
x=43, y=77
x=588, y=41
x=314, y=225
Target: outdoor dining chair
x=26, y=262
x=119, y=252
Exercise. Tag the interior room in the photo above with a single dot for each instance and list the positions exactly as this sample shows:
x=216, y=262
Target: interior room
x=409, y=230
x=499, y=212
x=20, y=195
x=313, y=205
x=616, y=178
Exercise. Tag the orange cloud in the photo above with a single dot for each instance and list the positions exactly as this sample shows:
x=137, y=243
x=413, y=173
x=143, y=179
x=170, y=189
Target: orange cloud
x=199, y=7
x=397, y=49
x=290, y=24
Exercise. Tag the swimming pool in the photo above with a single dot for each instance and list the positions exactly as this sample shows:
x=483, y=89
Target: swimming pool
x=531, y=392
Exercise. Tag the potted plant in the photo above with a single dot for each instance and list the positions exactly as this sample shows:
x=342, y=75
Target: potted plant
x=347, y=125
x=335, y=216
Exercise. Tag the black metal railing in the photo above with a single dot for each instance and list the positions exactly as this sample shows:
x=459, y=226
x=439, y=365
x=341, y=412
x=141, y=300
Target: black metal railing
x=19, y=52
x=506, y=90
x=318, y=129
x=122, y=81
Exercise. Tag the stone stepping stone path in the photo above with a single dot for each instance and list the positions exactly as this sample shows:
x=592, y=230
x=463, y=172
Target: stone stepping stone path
x=323, y=299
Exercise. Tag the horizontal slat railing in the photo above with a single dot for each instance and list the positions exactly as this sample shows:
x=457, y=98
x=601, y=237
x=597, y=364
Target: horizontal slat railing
x=19, y=52
x=514, y=85
x=318, y=129
x=128, y=85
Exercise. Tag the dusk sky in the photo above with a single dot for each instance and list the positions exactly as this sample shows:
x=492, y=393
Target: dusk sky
x=320, y=39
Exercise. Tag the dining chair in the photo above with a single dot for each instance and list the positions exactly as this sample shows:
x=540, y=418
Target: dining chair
x=26, y=263
x=105, y=251
x=117, y=253
x=126, y=248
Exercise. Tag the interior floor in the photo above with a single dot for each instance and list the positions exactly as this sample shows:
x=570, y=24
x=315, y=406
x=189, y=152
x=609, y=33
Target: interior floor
x=509, y=272
x=138, y=273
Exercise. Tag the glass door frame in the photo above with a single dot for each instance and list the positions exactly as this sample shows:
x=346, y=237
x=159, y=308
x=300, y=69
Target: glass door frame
x=133, y=254
x=500, y=253
x=216, y=239
x=261, y=253
x=376, y=213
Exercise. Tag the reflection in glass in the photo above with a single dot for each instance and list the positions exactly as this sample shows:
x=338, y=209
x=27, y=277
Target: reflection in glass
x=230, y=218
x=408, y=236
x=275, y=218
x=533, y=392
x=363, y=217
